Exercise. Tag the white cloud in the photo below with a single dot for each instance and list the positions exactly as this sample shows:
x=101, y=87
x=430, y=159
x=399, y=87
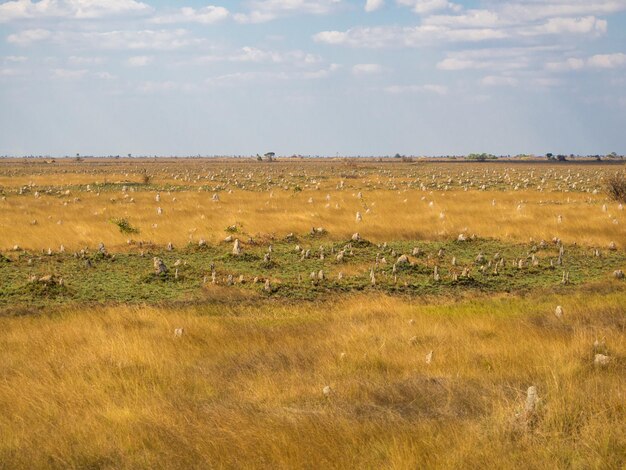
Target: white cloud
x=469, y=19
x=76, y=9
x=252, y=54
x=81, y=60
x=239, y=77
x=259, y=77
x=154, y=87
x=139, y=61
x=500, y=58
x=525, y=12
x=598, y=61
x=475, y=26
x=445, y=21
x=366, y=69
x=206, y=15
x=69, y=74
x=373, y=5
x=165, y=86
x=255, y=55
x=28, y=36
x=572, y=63
x=429, y=6
x=607, y=61
x=16, y=59
x=105, y=76
x=322, y=73
x=164, y=40
x=399, y=89
x=545, y=82
x=145, y=39
x=494, y=80
x=541, y=9
x=586, y=25
x=438, y=89
x=254, y=17
x=393, y=36
x=10, y=72
x=332, y=37
x=453, y=63
x=267, y=10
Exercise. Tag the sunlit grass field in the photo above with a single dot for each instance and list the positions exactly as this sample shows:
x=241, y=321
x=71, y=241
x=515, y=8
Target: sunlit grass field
x=377, y=363
x=243, y=387
x=72, y=207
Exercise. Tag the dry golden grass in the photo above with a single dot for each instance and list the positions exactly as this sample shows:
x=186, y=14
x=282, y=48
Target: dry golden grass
x=427, y=201
x=242, y=388
x=113, y=388
x=190, y=216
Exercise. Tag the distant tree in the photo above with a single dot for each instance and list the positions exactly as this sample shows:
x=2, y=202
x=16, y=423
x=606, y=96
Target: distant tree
x=550, y=156
x=270, y=156
x=561, y=158
x=480, y=157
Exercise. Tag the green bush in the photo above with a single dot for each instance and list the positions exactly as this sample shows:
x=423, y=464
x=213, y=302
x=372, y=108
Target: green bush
x=124, y=226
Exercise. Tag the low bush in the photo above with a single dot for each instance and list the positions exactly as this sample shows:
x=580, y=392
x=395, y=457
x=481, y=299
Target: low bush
x=616, y=187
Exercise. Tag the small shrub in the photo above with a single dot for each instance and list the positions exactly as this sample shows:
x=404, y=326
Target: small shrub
x=146, y=178
x=616, y=187
x=124, y=226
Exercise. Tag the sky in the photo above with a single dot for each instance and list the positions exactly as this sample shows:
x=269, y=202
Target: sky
x=312, y=77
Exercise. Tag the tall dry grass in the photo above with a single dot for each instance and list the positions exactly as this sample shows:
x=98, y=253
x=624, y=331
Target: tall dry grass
x=242, y=388
x=519, y=201
x=49, y=221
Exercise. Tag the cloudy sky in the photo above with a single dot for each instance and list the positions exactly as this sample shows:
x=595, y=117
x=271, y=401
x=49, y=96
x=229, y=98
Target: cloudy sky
x=327, y=77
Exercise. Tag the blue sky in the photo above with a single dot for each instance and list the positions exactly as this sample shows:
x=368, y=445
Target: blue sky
x=312, y=77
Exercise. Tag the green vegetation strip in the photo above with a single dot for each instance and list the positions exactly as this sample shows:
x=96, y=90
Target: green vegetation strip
x=34, y=279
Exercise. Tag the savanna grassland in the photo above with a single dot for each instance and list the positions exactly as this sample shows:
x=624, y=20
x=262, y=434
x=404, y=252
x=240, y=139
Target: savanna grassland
x=195, y=313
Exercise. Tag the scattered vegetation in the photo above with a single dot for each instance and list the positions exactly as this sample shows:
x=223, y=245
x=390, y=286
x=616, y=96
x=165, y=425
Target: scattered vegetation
x=616, y=187
x=405, y=202
x=124, y=226
x=370, y=315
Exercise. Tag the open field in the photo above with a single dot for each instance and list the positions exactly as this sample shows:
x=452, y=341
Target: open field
x=72, y=203
x=113, y=387
x=411, y=345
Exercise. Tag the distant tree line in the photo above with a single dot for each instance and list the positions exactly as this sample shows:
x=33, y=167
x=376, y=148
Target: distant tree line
x=480, y=157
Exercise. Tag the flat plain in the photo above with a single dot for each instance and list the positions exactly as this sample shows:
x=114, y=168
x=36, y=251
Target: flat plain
x=308, y=313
